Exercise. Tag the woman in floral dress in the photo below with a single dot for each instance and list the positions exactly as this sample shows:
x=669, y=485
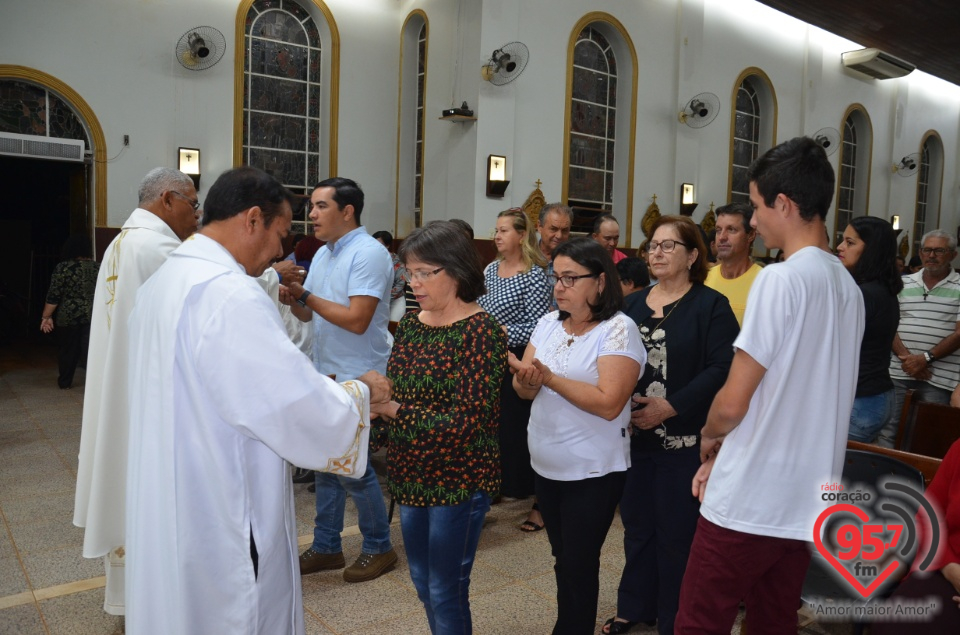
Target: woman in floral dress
x=443, y=461
x=688, y=329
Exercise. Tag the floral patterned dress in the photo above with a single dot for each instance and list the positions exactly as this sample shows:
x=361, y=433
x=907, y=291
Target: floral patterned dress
x=654, y=383
x=443, y=444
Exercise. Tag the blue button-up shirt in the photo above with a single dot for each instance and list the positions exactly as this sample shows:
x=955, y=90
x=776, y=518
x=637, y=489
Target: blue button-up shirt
x=356, y=264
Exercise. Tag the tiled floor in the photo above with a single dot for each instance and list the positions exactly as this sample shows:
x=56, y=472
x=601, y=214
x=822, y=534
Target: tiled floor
x=46, y=587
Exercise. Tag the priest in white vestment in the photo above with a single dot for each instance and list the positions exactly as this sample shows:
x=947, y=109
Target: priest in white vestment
x=167, y=214
x=221, y=403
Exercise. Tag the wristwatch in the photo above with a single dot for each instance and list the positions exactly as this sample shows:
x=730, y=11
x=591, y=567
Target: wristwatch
x=302, y=300
x=930, y=357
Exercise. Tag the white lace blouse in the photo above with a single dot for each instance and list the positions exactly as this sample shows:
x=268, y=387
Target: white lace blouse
x=567, y=443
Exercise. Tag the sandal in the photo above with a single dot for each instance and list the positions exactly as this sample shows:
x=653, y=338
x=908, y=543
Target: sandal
x=528, y=526
x=615, y=627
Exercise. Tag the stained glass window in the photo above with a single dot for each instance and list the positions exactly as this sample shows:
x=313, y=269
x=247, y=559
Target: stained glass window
x=746, y=139
x=847, y=181
x=592, y=122
x=281, y=96
x=418, y=163
x=920, y=226
x=34, y=110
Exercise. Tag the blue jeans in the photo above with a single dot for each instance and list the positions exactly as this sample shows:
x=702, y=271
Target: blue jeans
x=924, y=392
x=870, y=414
x=371, y=512
x=441, y=543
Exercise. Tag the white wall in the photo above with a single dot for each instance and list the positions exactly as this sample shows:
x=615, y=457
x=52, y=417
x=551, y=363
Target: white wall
x=119, y=56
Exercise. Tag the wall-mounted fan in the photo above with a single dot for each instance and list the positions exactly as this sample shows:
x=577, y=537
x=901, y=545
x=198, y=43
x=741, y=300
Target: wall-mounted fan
x=506, y=63
x=908, y=165
x=828, y=139
x=700, y=111
x=200, y=48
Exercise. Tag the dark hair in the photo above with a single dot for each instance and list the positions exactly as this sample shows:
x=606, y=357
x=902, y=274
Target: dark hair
x=915, y=261
x=443, y=244
x=240, y=189
x=554, y=208
x=635, y=270
x=798, y=169
x=345, y=192
x=879, y=258
x=690, y=235
x=77, y=246
x=590, y=254
x=745, y=210
x=464, y=227
x=385, y=237
x=601, y=219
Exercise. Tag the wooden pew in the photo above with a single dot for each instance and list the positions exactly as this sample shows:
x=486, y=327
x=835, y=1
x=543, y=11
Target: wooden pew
x=927, y=428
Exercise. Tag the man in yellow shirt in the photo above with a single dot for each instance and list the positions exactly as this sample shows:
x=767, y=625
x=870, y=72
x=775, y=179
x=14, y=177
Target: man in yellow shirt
x=736, y=272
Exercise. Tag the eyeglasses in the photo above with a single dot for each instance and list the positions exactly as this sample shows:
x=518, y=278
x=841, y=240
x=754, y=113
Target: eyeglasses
x=420, y=276
x=666, y=246
x=568, y=281
x=939, y=251
x=193, y=203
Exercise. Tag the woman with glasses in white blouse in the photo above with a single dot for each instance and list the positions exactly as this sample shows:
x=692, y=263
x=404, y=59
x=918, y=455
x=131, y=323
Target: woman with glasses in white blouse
x=579, y=369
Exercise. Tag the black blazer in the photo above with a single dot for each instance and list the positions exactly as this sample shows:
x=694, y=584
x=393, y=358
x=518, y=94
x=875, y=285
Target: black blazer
x=701, y=331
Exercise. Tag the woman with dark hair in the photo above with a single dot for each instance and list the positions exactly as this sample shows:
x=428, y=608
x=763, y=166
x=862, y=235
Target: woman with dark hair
x=517, y=296
x=695, y=327
x=868, y=251
x=397, y=301
x=70, y=297
x=443, y=459
x=579, y=369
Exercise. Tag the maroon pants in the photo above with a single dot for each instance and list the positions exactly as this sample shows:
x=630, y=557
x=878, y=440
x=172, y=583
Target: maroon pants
x=727, y=566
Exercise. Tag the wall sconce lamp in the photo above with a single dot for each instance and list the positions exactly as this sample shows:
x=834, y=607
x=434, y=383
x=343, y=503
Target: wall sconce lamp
x=895, y=222
x=496, y=176
x=687, y=203
x=189, y=164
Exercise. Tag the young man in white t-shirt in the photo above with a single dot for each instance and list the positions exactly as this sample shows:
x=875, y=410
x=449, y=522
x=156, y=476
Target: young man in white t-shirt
x=782, y=416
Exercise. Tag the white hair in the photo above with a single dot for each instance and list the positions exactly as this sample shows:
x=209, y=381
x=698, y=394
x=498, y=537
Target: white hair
x=160, y=180
x=939, y=233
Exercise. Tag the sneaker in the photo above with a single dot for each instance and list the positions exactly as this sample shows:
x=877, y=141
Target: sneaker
x=370, y=566
x=312, y=561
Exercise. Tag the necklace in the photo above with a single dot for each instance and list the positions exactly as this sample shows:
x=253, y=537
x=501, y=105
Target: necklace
x=672, y=309
x=573, y=334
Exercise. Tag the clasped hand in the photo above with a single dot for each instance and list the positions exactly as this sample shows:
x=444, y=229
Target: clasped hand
x=652, y=412
x=915, y=366
x=290, y=292
x=531, y=375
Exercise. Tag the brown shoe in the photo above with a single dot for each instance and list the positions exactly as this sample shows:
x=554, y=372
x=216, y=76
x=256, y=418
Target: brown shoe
x=312, y=561
x=370, y=566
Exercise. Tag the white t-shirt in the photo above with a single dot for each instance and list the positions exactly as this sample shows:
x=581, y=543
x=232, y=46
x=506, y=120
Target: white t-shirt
x=804, y=323
x=567, y=443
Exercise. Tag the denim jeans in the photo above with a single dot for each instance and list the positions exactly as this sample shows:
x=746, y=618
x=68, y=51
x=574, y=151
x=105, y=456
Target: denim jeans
x=924, y=392
x=870, y=414
x=440, y=543
x=371, y=512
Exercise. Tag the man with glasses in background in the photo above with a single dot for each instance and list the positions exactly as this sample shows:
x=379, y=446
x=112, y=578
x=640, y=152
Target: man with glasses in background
x=347, y=297
x=167, y=214
x=924, y=355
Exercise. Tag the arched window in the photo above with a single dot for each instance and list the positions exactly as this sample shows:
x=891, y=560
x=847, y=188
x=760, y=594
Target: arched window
x=929, y=182
x=28, y=109
x=600, y=125
x=283, y=124
x=753, y=128
x=413, y=93
x=853, y=176
x=593, y=107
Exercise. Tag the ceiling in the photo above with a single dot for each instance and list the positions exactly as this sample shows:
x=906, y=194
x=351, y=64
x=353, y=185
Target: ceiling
x=922, y=33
